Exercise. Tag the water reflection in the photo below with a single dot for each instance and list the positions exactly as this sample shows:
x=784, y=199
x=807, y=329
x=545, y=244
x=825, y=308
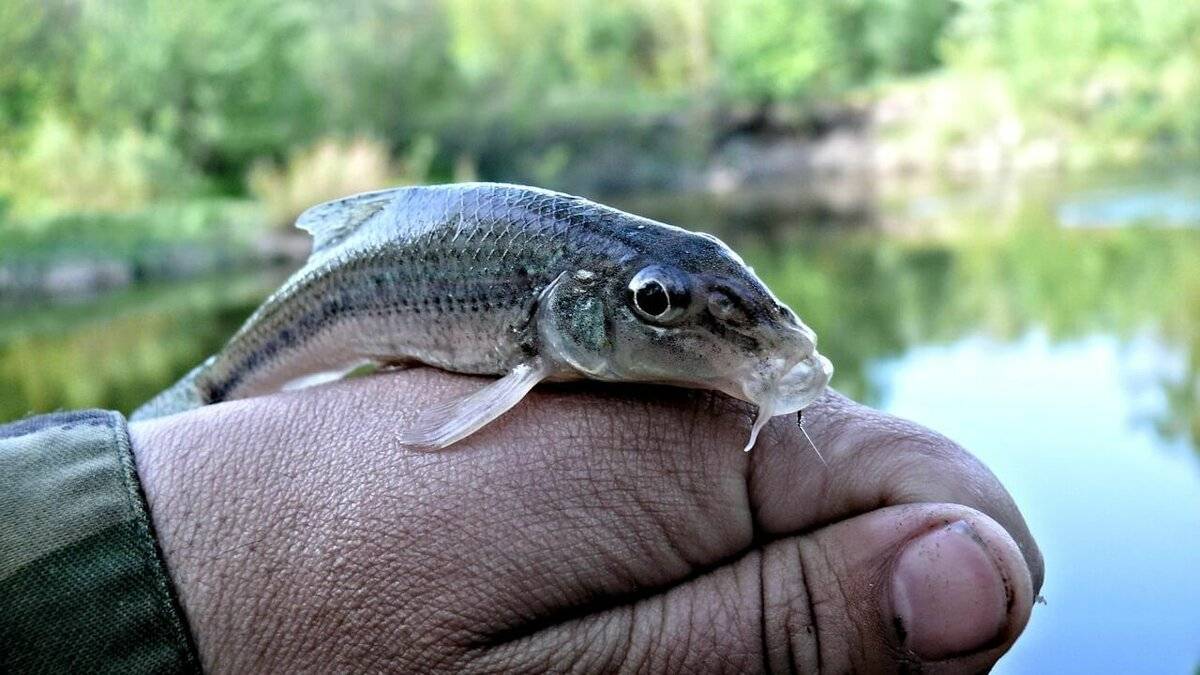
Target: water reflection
x=1170, y=202
x=872, y=289
x=1067, y=358
x=879, y=290
x=117, y=351
x=1115, y=509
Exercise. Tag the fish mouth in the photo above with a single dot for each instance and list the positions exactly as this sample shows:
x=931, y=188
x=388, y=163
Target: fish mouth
x=799, y=385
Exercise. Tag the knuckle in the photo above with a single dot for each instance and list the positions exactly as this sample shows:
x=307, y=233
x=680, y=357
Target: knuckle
x=792, y=624
x=817, y=617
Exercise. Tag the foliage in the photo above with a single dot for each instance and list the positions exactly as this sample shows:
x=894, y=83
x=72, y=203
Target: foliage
x=65, y=169
x=1105, y=70
x=773, y=49
x=332, y=169
x=167, y=97
x=217, y=79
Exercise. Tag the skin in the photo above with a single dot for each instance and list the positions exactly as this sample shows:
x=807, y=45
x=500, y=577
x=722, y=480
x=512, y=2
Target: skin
x=593, y=528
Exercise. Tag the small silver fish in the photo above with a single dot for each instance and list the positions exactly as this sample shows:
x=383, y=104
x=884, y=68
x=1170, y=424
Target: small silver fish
x=514, y=281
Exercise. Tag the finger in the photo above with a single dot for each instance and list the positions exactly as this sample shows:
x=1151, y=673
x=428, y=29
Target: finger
x=569, y=499
x=930, y=587
x=572, y=499
x=871, y=459
x=606, y=492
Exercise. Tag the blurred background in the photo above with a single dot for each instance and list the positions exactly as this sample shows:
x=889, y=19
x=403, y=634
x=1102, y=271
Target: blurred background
x=988, y=209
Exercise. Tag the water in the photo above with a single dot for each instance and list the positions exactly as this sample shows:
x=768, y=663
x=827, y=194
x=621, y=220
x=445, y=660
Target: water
x=1052, y=328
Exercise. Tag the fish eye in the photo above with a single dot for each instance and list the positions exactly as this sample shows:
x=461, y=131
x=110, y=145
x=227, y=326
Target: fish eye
x=659, y=295
x=652, y=299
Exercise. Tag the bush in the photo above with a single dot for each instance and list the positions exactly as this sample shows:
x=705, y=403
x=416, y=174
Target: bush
x=332, y=169
x=63, y=169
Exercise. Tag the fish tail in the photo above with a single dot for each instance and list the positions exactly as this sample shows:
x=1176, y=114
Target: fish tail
x=183, y=395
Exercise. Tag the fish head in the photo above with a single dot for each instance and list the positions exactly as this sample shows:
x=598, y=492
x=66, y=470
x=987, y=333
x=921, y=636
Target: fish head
x=688, y=312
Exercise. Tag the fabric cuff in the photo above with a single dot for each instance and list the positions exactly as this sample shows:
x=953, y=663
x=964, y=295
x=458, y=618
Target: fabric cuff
x=83, y=585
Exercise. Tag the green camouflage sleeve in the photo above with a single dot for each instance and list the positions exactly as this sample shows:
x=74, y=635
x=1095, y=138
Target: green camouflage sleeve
x=83, y=587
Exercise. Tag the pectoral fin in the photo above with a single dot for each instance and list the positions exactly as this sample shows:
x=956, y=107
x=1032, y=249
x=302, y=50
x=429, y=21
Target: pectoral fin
x=442, y=424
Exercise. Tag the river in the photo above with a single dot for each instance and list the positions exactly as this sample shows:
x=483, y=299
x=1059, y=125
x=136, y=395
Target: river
x=1051, y=326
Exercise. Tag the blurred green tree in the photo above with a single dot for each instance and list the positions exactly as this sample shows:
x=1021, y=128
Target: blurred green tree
x=178, y=98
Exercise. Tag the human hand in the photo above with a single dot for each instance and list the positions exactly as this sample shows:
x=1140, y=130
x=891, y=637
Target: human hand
x=591, y=528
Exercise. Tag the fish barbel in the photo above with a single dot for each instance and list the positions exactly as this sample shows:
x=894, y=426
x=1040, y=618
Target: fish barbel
x=520, y=282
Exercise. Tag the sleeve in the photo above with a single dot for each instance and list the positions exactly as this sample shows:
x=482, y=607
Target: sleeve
x=83, y=585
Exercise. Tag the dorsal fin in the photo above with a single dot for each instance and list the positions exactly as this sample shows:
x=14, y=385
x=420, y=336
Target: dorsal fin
x=335, y=221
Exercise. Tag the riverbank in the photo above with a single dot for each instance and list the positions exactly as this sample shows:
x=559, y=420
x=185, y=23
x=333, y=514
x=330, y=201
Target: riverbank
x=826, y=160
x=956, y=127
x=84, y=254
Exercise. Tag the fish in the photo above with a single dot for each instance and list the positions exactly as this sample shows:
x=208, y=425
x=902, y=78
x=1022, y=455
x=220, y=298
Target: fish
x=518, y=282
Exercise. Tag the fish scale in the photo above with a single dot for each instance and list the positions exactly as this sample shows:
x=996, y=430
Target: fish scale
x=426, y=267
x=507, y=280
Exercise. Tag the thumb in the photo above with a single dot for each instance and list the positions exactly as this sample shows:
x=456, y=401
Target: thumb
x=938, y=586
x=912, y=588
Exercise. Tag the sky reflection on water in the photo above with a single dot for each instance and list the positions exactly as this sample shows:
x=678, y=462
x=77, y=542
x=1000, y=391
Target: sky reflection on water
x=1115, y=510
x=1174, y=202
